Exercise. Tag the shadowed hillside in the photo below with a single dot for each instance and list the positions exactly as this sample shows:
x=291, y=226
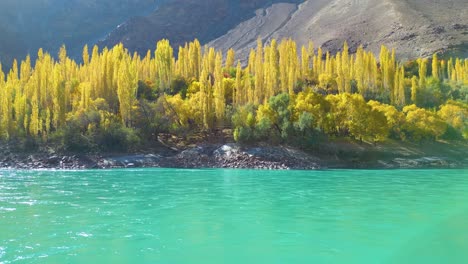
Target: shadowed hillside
x=414, y=27
x=27, y=25
x=184, y=20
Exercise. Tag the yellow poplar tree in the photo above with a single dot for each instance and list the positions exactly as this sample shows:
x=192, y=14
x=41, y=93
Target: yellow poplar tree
x=219, y=93
x=231, y=57
x=414, y=89
x=435, y=67
x=126, y=89
x=422, y=73
x=164, y=63
x=259, y=73
x=238, y=90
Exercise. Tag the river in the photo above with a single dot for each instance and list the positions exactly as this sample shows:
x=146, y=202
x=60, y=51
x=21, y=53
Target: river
x=234, y=216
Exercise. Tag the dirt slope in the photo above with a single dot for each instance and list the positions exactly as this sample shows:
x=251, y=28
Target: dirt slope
x=184, y=20
x=413, y=27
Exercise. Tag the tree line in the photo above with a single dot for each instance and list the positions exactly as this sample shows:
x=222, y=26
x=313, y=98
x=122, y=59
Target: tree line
x=283, y=93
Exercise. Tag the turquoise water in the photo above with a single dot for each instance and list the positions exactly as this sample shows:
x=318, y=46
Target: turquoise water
x=234, y=216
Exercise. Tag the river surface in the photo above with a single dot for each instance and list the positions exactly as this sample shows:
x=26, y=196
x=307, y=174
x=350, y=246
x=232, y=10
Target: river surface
x=234, y=216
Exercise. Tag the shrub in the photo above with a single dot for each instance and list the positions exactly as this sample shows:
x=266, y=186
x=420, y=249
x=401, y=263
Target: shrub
x=116, y=137
x=72, y=139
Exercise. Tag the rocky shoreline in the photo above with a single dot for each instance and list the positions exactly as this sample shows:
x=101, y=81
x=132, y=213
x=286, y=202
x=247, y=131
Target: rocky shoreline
x=209, y=156
x=224, y=156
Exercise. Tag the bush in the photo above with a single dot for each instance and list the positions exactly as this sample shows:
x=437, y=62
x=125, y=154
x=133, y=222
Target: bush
x=243, y=119
x=452, y=134
x=116, y=138
x=179, y=86
x=243, y=135
x=28, y=144
x=146, y=90
x=71, y=139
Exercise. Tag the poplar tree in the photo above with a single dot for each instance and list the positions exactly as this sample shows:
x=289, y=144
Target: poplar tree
x=195, y=59
x=238, y=89
x=345, y=64
x=164, y=63
x=206, y=95
x=414, y=89
x=435, y=67
x=304, y=63
x=259, y=73
x=219, y=93
x=274, y=68
x=422, y=73
x=231, y=57
x=126, y=90
x=399, y=91
x=85, y=55
x=266, y=73
x=311, y=52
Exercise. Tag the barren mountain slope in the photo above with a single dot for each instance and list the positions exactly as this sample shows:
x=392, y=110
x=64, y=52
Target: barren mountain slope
x=184, y=20
x=27, y=25
x=413, y=27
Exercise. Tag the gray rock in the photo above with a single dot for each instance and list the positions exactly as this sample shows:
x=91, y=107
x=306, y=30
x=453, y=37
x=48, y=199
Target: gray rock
x=54, y=160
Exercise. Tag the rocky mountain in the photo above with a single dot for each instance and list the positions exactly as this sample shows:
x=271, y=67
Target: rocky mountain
x=184, y=20
x=413, y=27
x=27, y=25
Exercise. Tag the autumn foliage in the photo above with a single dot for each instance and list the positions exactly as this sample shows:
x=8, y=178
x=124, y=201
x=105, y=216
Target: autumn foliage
x=281, y=93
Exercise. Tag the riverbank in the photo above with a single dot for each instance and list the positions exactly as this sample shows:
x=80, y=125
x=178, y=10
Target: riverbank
x=343, y=154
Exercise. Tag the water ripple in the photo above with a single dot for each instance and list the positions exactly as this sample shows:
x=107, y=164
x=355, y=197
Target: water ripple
x=175, y=216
